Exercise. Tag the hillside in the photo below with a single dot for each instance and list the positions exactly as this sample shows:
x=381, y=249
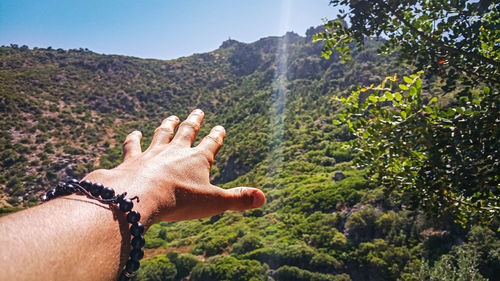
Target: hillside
x=66, y=112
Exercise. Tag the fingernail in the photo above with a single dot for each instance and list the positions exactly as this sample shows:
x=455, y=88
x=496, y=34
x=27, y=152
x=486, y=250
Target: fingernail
x=218, y=128
x=198, y=111
x=258, y=198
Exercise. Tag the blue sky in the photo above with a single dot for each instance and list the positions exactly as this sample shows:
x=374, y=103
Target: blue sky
x=163, y=29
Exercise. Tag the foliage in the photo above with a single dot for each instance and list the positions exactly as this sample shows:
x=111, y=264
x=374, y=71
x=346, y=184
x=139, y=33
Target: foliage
x=60, y=102
x=453, y=39
x=184, y=263
x=438, y=156
x=292, y=273
x=229, y=268
x=157, y=268
x=463, y=266
x=428, y=153
x=247, y=243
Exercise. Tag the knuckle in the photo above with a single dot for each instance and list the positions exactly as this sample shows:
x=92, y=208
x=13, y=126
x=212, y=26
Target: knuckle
x=204, y=155
x=190, y=124
x=210, y=158
x=243, y=192
x=128, y=141
x=162, y=129
x=215, y=139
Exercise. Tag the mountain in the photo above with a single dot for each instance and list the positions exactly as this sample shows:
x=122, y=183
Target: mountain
x=66, y=112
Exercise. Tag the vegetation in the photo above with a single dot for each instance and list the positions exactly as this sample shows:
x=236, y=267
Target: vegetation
x=440, y=155
x=67, y=111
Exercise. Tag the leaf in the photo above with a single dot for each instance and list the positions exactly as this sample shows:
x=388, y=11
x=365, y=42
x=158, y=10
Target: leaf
x=389, y=95
x=341, y=117
x=398, y=96
x=403, y=114
x=336, y=122
x=403, y=87
x=486, y=90
x=413, y=91
x=418, y=83
x=433, y=100
x=408, y=80
x=373, y=98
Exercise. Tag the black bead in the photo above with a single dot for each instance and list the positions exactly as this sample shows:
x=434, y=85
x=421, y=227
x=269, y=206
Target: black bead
x=60, y=191
x=107, y=193
x=137, y=254
x=126, y=205
x=72, y=181
x=133, y=217
x=70, y=188
x=60, y=188
x=51, y=194
x=137, y=229
x=96, y=189
x=123, y=277
x=86, y=184
x=132, y=266
x=138, y=242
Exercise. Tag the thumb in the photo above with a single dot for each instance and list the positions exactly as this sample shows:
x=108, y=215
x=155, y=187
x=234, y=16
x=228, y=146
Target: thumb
x=244, y=198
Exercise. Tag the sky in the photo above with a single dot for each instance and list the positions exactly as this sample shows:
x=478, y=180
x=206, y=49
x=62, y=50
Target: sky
x=162, y=29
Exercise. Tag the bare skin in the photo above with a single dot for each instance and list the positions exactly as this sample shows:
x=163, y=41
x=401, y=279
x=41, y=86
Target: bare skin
x=76, y=238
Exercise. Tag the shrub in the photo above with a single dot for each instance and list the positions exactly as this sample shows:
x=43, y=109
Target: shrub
x=462, y=266
x=183, y=262
x=361, y=225
x=210, y=246
x=246, y=244
x=292, y=273
x=229, y=268
x=158, y=268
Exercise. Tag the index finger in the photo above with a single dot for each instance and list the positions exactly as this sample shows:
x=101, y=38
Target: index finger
x=211, y=144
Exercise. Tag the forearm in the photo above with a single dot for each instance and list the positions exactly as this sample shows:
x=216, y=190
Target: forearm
x=91, y=240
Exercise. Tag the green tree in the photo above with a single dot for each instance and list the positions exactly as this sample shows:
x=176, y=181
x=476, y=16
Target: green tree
x=451, y=38
x=157, y=268
x=462, y=266
x=440, y=156
x=246, y=244
x=230, y=269
x=183, y=262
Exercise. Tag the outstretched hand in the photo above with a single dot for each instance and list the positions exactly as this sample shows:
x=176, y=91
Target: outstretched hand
x=75, y=238
x=172, y=178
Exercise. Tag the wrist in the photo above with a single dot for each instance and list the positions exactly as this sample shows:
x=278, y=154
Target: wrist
x=147, y=205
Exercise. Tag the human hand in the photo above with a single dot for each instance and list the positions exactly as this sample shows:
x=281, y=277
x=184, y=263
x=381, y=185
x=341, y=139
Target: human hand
x=172, y=178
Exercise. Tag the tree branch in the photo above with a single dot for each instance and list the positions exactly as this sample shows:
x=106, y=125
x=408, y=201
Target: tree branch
x=469, y=55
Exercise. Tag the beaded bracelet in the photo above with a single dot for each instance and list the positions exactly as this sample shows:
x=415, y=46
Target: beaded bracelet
x=107, y=195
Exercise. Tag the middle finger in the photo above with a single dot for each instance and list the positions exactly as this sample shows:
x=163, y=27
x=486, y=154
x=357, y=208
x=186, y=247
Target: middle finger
x=189, y=128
